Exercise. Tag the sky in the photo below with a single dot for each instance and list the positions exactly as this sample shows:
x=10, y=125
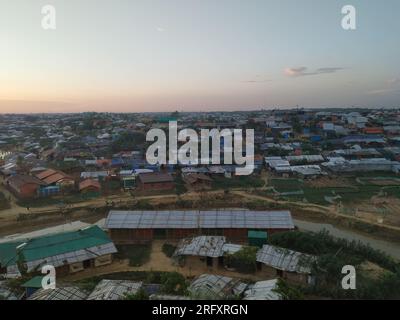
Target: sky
x=197, y=55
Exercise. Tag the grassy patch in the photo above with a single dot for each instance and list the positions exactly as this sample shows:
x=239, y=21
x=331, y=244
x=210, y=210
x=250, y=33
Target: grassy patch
x=137, y=254
x=358, y=192
x=347, y=194
x=392, y=191
x=4, y=203
x=147, y=277
x=144, y=204
x=286, y=185
x=374, y=174
x=35, y=203
x=244, y=182
x=50, y=201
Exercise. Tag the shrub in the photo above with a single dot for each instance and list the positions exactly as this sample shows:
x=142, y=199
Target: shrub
x=144, y=204
x=140, y=295
x=288, y=292
x=168, y=249
x=332, y=254
x=4, y=203
x=137, y=254
x=173, y=283
x=322, y=243
x=244, y=260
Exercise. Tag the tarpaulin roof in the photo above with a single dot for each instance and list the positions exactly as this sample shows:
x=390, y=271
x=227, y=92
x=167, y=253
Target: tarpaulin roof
x=55, y=245
x=285, y=259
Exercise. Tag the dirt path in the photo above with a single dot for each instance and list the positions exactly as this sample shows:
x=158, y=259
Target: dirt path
x=51, y=215
x=316, y=208
x=9, y=216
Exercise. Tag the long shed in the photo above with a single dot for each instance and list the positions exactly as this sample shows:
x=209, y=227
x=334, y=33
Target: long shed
x=127, y=227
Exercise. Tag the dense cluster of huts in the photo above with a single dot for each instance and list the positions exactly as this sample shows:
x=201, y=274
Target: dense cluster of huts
x=203, y=237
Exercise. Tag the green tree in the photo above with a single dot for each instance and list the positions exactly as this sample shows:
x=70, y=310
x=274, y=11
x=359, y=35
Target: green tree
x=288, y=292
x=173, y=283
x=140, y=295
x=243, y=260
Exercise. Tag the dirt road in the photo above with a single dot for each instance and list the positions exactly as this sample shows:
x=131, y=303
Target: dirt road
x=9, y=216
x=331, y=210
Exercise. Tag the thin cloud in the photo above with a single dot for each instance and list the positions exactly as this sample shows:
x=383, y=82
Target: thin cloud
x=392, y=85
x=256, y=81
x=302, y=71
x=328, y=70
x=160, y=29
x=295, y=72
x=380, y=91
x=393, y=81
x=258, y=78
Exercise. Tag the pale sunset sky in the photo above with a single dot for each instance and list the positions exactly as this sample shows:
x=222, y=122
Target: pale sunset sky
x=197, y=55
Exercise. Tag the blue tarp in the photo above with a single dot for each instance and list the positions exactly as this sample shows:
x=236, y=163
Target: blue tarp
x=316, y=138
x=117, y=162
x=48, y=191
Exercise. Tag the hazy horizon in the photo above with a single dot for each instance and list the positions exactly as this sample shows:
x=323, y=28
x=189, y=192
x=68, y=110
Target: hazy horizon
x=227, y=55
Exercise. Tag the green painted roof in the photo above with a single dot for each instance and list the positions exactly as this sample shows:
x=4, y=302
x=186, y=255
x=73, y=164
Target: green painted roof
x=48, y=246
x=166, y=119
x=257, y=234
x=35, y=282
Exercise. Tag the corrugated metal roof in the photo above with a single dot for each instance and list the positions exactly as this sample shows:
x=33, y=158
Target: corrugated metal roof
x=55, y=178
x=45, y=174
x=66, y=293
x=94, y=174
x=231, y=248
x=308, y=158
x=114, y=289
x=192, y=219
x=210, y=286
x=205, y=246
x=285, y=259
x=307, y=169
x=74, y=256
x=262, y=290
